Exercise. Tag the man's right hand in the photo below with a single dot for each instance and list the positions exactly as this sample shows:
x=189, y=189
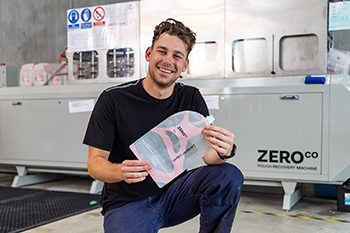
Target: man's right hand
x=131, y=171
x=134, y=171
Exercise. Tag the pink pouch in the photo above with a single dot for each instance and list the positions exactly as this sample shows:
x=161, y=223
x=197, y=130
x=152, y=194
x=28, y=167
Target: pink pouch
x=173, y=145
x=26, y=74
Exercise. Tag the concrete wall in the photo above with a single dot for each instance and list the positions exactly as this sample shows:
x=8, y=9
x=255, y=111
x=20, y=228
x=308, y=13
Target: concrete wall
x=34, y=31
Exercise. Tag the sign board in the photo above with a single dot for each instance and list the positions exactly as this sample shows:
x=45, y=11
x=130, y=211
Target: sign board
x=97, y=28
x=339, y=16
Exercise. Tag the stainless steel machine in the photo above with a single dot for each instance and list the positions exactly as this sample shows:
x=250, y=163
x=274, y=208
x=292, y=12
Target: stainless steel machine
x=261, y=66
x=288, y=132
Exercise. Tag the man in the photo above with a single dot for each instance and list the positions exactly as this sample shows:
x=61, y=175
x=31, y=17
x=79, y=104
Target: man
x=131, y=201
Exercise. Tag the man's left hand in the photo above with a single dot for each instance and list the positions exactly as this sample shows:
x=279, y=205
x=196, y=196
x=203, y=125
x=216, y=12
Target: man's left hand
x=221, y=140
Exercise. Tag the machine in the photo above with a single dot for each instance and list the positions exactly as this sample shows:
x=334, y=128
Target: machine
x=261, y=66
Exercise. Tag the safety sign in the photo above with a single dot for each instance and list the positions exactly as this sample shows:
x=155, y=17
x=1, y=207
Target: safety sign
x=86, y=17
x=100, y=27
x=73, y=18
x=99, y=16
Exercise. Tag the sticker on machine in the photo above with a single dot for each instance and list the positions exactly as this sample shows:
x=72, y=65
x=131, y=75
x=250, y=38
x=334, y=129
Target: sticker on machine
x=81, y=106
x=212, y=101
x=347, y=199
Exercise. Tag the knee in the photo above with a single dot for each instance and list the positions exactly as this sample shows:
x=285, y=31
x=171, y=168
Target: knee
x=226, y=176
x=227, y=184
x=232, y=174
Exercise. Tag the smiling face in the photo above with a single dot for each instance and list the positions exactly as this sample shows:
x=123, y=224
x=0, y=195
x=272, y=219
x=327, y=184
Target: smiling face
x=167, y=60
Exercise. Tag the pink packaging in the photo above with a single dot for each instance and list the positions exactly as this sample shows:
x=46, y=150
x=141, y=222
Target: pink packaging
x=173, y=145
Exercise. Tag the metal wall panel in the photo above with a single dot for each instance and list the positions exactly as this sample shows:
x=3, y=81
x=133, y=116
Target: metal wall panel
x=204, y=17
x=268, y=38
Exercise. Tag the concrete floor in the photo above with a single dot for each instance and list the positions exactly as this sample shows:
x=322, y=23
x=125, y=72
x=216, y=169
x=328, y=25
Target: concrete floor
x=254, y=212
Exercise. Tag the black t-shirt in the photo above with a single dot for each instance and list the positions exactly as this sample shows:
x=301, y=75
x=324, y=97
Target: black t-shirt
x=123, y=114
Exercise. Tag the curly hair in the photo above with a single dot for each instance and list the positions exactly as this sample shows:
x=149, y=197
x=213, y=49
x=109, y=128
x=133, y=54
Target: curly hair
x=175, y=28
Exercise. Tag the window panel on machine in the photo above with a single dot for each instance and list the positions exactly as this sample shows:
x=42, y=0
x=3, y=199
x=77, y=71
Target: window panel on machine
x=299, y=52
x=204, y=59
x=120, y=62
x=249, y=55
x=85, y=65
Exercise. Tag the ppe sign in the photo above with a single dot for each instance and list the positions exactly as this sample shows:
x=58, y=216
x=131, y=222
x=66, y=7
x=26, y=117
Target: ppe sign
x=173, y=145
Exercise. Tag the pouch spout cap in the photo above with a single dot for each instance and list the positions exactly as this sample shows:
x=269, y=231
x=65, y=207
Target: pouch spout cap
x=210, y=119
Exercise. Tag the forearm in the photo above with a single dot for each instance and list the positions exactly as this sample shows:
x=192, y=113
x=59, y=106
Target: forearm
x=103, y=170
x=130, y=171
x=212, y=158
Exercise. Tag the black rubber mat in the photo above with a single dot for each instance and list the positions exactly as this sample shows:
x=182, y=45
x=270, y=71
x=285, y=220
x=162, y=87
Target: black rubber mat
x=22, y=209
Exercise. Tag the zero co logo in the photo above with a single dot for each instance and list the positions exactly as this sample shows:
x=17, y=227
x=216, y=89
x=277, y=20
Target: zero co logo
x=281, y=156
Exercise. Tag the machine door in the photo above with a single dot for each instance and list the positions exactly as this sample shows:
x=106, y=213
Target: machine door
x=42, y=133
x=275, y=133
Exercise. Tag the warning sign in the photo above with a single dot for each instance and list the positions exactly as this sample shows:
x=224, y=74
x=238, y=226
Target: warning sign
x=99, y=16
x=100, y=27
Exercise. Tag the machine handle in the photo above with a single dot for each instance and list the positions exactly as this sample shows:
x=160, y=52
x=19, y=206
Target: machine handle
x=17, y=102
x=289, y=97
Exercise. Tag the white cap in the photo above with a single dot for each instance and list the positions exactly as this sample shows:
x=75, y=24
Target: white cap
x=210, y=119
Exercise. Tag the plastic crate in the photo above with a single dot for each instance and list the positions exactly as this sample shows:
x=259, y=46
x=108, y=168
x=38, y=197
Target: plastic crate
x=343, y=198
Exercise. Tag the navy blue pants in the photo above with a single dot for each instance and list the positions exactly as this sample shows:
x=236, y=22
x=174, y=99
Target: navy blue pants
x=212, y=191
